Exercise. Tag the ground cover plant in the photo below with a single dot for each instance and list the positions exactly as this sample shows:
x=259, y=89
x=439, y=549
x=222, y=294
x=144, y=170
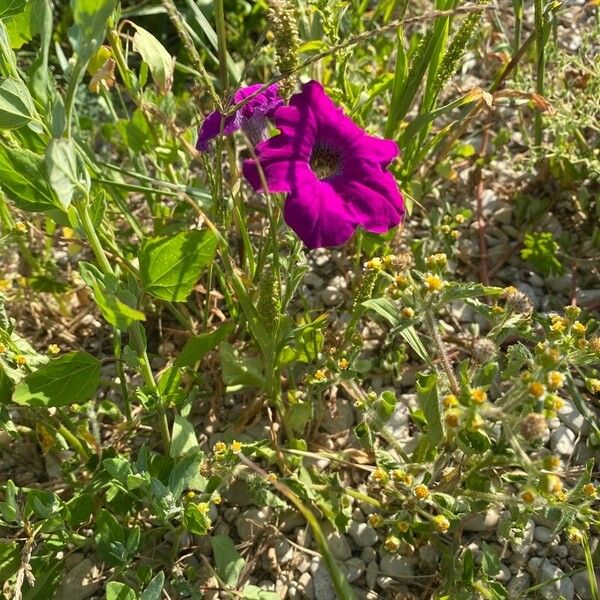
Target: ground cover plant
x=299, y=299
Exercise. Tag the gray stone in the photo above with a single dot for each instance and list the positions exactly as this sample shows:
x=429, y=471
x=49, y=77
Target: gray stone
x=354, y=568
x=543, y=535
x=362, y=534
x=504, y=575
x=283, y=550
x=321, y=580
x=518, y=584
x=372, y=574
x=80, y=582
x=339, y=545
x=562, y=441
x=252, y=521
x=544, y=571
x=429, y=557
x=368, y=554
x=573, y=419
x=332, y=296
x=560, y=284
x=581, y=581
x=396, y=566
x=531, y=293
x=484, y=521
x=306, y=587
x=521, y=545
x=343, y=419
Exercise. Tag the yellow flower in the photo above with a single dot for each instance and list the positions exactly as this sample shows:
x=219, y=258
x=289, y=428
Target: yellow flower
x=220, y=448
x=555, y=380
x=408, y=312
x=203, y=507
x=20, y=360
x=2, y=348
x=476, y=422
x=421, y=491
x=392, y=543
x=402, y=526
x=217, y=499
x=578, y=328
x=236, y=446
x=478, y=395
x=553, y=403
x=528, y=496
x=445, y=228
x=380, y=476
x=343, y=364
x=559, y=324
x=441, y=523
x=434, y=283
x=401, y=280
x=574, y=535
x=375, y=264
x=595, y=345
x=455, y=234
x=497, y=310
x=554, y=484
x=460, y=219
x=452, y=418
x=21, y=228
x=593, y=385
x=402, y=476
x=375, y=520
x=536, y=389
x=572, y=312
x=552, y=462
x=450, y=400
x=53, y=349
x=589, y=489
x=271, y=478
x=5, y=284
x=319, y=375
x=439, y=260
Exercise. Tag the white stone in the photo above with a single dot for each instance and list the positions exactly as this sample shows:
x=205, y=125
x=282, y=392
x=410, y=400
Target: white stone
x=573, y=419
x=339, y=545
x=545, y=571
x=362, y=534
x=542, y=534
x=483, y=521
x=562, y=441
x=396, y=566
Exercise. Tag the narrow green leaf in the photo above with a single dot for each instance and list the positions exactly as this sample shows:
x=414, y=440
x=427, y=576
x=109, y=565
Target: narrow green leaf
x=229, y=563
x=199, y=345
x=153, y=53
x=170, y=267
x=61, y=164
x=23, y=180
x=119, y=591
x=70, y=378
x=183, y=437
x=16, y=104
x=429, y=402
x=154, y=589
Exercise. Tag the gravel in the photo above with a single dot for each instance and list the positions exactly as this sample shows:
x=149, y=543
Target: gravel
x=362, y=534
x=558, y=585
x=562, y=441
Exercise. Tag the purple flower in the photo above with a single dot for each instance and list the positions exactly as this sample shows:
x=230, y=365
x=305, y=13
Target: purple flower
x=252, y=117
x=334, y=172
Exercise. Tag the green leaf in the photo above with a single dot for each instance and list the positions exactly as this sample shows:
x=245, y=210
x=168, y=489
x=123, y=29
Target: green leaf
x=184, y=472
x=170, y=267
x=429, y=402
x=490, y=563
x=199, y=345
x=89, y=25
x=10, y=8
x=413, y=339
x=239, y=371
x=183, y=437
x=9, y=508
x=153, y=53
x=540, y=250
x=154, y=589
x=70, y=378
x=385, y=308
x=16, y=104
x=61, y=165
x=113, y=301
x=23, y=179
x=195, y=520
x=229, y=563
x=119, y=591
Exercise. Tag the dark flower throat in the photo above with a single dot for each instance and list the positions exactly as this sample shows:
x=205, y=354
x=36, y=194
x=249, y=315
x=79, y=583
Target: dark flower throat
x=325, y=161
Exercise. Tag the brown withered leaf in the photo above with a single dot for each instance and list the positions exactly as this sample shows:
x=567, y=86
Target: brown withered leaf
x=104, y=76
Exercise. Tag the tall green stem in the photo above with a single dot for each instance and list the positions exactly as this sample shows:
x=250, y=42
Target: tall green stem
x=541, y=65
x=221, y=44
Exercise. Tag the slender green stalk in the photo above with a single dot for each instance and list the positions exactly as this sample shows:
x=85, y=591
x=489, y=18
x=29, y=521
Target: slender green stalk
x=541, y=65
x=221, y=45
x=340, y=583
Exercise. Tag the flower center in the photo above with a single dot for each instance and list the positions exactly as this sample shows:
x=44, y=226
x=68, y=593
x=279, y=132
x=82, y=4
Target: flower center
x=325, y=161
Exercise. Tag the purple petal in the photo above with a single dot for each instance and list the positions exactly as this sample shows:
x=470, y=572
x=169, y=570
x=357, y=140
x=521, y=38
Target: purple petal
x=281, y=176
x=211, y=127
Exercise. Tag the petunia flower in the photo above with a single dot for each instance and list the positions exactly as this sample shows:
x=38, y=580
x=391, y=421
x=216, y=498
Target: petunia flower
x=334, y=173
x=251, y=118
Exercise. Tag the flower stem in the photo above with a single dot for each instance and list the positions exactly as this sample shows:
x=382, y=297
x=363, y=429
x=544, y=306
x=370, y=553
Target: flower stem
x=541, y=65
x=221, y=44
x=441, y=351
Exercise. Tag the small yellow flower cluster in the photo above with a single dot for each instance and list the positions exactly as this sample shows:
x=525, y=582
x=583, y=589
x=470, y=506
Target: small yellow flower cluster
x=433, y=283
x=402, y=476
x=408, y=312
x=392, y=543
x=556, y=380
x=441, y=523
x=450, y=401
x=421, y=491
x=53, y=349
x=437, y=261
x=402, y=526
x=21, y=228
x=319, y=375
x=375, y=264
x=578, y=328
x=559, y=324
x=343, y=364
x=589, y=489
x=380, y=476
x=574, y=535
x=593, y=385
x=537, y=389
x=2, y=348
x=452, y=418
x=552, y=462
x=478, y=395
x=236, y=446
x=528, y=496
x=375, y=520
x=20, y=360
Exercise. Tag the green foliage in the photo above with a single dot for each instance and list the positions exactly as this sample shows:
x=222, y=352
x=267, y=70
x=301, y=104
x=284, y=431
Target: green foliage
x=540, y=250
